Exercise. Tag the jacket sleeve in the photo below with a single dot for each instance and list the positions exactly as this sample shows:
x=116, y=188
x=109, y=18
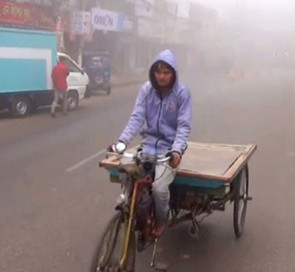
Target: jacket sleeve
x=183, y=122
x=137, y=119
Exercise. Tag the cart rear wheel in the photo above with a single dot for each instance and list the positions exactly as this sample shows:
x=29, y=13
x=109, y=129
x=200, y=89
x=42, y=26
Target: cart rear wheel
x=109, y=251
x=240, y=200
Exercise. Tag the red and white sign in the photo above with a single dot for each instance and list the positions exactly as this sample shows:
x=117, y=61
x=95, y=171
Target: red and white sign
x=26, y=16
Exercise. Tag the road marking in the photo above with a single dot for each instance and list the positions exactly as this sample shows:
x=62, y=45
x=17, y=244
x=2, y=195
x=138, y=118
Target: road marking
x=81, y=163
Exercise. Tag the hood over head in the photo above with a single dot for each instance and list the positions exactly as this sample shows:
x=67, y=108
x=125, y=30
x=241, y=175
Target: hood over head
x=168, y=57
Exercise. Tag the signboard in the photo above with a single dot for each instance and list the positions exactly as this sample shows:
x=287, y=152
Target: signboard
x=26, y=16
x=127, y=24
x=178, y=8
x=144, y=8
x=86, y=22
x=106, y=20
x=80, y=22
x=39, y=2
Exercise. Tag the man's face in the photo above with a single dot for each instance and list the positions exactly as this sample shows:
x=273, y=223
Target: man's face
x=163, y=76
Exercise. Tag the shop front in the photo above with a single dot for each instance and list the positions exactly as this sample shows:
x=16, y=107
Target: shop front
x=112, y=33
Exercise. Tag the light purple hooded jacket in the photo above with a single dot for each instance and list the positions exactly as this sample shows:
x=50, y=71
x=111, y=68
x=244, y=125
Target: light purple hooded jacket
x=164, y=123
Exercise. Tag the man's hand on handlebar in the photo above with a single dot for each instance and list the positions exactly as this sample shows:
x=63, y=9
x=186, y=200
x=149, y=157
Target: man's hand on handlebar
x=175, y=159
x=119, y=148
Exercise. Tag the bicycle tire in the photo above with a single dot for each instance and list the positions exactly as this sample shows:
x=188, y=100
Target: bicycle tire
x=241, y=198
x=110, y=245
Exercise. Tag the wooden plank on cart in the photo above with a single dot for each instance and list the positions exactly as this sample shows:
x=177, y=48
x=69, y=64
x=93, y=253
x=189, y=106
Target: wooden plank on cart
x=219, y=162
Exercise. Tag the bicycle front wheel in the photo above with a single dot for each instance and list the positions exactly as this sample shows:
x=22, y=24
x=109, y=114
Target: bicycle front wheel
x=108, y=254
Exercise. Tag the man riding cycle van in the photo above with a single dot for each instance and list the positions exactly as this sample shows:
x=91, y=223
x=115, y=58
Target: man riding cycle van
x=162, y=116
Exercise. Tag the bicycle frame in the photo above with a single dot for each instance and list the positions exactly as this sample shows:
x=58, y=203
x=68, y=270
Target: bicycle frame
x=132, y=198
x=136, y=188
x=132, y=201
x=128, y=231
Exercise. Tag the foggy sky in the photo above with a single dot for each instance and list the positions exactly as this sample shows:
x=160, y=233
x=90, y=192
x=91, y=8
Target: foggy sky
x=265, y=14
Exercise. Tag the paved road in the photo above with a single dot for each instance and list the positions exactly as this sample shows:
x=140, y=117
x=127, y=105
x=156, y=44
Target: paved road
x=55, y=201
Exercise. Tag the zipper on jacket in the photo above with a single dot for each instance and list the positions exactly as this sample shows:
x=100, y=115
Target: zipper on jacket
x=158, y=123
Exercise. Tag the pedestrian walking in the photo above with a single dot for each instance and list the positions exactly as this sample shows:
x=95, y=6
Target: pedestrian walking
x=59, y=76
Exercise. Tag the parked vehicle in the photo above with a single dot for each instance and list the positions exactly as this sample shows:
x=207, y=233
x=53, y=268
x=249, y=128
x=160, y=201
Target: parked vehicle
x=26, y=61
x=98, y=67
x=77, y=81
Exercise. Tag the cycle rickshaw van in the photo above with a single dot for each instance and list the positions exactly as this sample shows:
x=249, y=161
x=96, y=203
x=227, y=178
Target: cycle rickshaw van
x=98, y=67
x=209, y=176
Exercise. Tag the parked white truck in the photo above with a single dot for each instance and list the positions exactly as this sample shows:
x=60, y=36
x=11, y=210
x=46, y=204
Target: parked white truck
x=26, y=61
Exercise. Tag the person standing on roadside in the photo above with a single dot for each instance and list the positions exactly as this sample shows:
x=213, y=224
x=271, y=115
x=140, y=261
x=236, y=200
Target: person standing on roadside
x=59, y=76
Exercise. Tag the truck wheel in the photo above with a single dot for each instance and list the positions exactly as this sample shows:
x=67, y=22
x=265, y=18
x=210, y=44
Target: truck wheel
x=20, y=106
x=73, y=100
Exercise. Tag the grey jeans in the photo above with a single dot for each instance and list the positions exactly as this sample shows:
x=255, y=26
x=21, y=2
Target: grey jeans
x=57, y=95
x=164, y=175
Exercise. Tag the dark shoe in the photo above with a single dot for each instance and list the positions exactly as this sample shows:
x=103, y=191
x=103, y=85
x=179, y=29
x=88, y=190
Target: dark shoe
x=52, y=114
x=65, y=113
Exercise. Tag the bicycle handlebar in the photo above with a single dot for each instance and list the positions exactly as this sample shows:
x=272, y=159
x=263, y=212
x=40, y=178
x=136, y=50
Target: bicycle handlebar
x=134, y=156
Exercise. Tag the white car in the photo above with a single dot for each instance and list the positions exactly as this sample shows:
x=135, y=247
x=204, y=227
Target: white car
x=77, y=81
